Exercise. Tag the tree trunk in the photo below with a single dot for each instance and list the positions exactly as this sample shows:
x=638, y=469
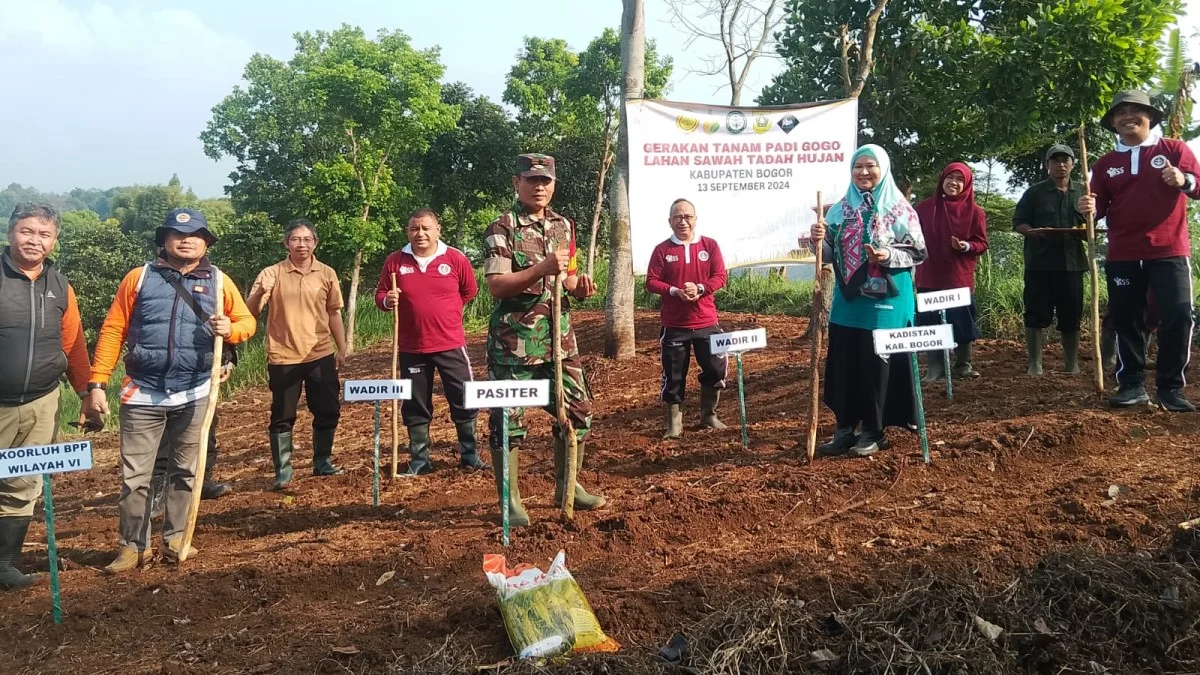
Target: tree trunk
x=619, y=336
x=605, y=162
x=352, y=302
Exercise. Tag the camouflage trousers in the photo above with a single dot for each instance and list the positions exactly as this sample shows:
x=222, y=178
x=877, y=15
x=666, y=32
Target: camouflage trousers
x=575, y=388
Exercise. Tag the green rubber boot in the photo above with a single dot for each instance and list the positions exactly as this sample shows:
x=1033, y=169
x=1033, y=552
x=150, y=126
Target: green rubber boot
x=419, y=463
x=1033, y=350
x=962, y=362
x=323, y=453
x=672, y=421
x=468, y=454
x=583, y=500
x=517, y=517
x=937, y=367
x=1070, y=342
x=281, y=457
x=710, y=397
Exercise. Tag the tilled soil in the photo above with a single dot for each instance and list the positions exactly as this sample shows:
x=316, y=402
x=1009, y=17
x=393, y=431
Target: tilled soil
x=1022, y=468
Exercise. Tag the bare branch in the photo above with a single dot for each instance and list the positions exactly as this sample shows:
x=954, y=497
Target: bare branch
x=866, y=59
x=744, y=28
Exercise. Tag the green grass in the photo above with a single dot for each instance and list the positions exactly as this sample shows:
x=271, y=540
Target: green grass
x=251, y=371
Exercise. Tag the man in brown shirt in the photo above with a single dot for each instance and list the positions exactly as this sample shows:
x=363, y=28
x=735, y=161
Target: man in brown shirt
x=304, y=312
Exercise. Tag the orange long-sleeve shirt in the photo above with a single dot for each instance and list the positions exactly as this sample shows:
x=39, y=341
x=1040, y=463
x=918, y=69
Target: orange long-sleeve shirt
x=116, y=323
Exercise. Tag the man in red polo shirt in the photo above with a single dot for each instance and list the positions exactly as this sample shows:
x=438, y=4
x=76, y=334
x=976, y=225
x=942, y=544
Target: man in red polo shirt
x=434, y=283
x=686, y=270
x=1141, y=189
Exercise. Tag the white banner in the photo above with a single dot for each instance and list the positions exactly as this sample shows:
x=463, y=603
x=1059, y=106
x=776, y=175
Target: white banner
x=738, y=341
x=935, y=301
x=507, y=394
x=915, y=339
x=752, y=173
x=376, y=390
x=56, y=458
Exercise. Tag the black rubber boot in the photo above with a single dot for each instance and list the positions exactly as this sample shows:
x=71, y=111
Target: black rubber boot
x=323, y=453
x=214, y=490
x=468, y=446
x=12, y=538
x=418, y=451
x=843, y=439
x=1070, y=342
x=1108, y=349
x=962, y=362
x=583, y=500
x=158, y=494
x=281, y=456
x=517, y=517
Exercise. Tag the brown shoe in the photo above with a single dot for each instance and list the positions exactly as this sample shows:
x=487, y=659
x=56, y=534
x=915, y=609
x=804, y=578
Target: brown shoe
x=128, y=558
x=171, y=549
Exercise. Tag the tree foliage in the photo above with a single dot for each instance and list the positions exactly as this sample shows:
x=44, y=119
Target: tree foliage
x=95, y=255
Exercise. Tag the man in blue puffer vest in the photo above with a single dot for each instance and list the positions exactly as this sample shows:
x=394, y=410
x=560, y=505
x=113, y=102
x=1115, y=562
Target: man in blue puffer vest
x=164, y=314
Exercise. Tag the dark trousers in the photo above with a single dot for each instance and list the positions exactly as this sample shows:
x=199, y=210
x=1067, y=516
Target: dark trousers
x=1170, y=281
x=454, y=367
x=1051, y=292
x=677, y=343
x=861, y=387
x=210, y=458
x=318, y=379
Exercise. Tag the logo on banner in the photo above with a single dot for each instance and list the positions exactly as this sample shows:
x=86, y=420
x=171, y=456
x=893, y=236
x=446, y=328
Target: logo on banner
x=443, y=269
x=762, y=124
x=712, y=127
x=788, y=122
x=735, y=122
x=703, y=256
x=1159, y=162
x=686, y=123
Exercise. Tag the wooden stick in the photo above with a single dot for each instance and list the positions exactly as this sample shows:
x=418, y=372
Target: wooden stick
x=395, y=376
x=560, y=399
x=818, y=300
x=214, y=394
x=1098, y=360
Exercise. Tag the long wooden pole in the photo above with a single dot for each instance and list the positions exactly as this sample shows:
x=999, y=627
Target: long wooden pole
x=1097, y=359
x=560, y=399
x=818, y=300
x=214, y=394
x=395, y=375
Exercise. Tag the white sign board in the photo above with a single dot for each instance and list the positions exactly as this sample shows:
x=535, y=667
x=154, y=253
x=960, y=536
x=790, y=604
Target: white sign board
x=914, y=339
x=507, y=394
x=935, y=301
x=752, y=173
x=738, y=341
x=56, y=458
x=377, y=390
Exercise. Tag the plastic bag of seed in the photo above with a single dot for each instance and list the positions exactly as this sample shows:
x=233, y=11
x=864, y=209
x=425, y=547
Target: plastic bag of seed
x=545, y=613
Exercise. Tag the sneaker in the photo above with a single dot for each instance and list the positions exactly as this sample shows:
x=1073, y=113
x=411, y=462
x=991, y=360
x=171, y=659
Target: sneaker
x=843, y=439
x=211, y=490
x=1129, y=395
x=1172, y=400
x=869, y=444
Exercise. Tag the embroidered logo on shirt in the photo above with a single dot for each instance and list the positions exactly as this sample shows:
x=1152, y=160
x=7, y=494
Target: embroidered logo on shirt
x=443, y=269
x=1159, y=162
x=703, y=256
x=1116, y=171
x=415, y=370
x=407, y=269
x=1121, y=282
x=50, y=294
x=672, y=258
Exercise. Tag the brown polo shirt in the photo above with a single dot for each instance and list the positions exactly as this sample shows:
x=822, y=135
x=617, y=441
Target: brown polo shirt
x=298, y=307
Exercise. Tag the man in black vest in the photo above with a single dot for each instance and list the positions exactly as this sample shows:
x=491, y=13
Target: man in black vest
x=41, y=337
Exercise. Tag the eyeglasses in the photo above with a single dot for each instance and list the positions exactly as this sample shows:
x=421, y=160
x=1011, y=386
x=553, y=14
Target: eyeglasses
x=683, y=218
x=302, y=240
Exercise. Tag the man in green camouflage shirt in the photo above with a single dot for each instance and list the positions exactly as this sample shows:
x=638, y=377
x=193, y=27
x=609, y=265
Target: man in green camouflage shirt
x=524, y=250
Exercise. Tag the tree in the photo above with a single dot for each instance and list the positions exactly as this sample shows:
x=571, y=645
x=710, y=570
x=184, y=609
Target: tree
x=333, y=134
x=95, y=255
x=619, y=336
x=745, y=30
x=596, y=86
x=247, y=244
x=992, y=79
x=469, y=168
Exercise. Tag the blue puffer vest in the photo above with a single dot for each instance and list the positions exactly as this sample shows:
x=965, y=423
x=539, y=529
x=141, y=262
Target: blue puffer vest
x=169, y=348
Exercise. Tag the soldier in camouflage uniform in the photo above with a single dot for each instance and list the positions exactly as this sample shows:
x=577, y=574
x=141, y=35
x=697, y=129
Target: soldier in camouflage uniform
x=524, y=250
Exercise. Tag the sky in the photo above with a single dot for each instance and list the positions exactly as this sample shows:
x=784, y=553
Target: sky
x=116, y=92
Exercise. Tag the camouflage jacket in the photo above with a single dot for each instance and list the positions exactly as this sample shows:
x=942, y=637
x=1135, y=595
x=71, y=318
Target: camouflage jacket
x=519, y=329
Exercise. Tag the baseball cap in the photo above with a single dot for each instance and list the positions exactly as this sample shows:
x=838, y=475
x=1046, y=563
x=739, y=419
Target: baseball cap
x=1059, y=149
x=184, y=221
x=534, y=164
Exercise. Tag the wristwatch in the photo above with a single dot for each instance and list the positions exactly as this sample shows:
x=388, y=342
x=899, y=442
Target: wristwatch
x=96, y=385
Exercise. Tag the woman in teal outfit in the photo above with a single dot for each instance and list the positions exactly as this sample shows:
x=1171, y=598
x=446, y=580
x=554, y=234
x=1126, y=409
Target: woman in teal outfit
x=873, y=237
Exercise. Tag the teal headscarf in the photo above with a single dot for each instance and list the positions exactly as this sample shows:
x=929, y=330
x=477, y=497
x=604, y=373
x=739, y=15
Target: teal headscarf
x=885, y=193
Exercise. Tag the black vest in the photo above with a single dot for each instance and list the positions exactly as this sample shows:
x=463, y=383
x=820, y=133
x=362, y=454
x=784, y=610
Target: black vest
x=31, y=351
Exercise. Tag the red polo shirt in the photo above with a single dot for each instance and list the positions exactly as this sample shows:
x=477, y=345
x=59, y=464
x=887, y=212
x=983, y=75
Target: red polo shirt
x=673, y=264
x=433, y=293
